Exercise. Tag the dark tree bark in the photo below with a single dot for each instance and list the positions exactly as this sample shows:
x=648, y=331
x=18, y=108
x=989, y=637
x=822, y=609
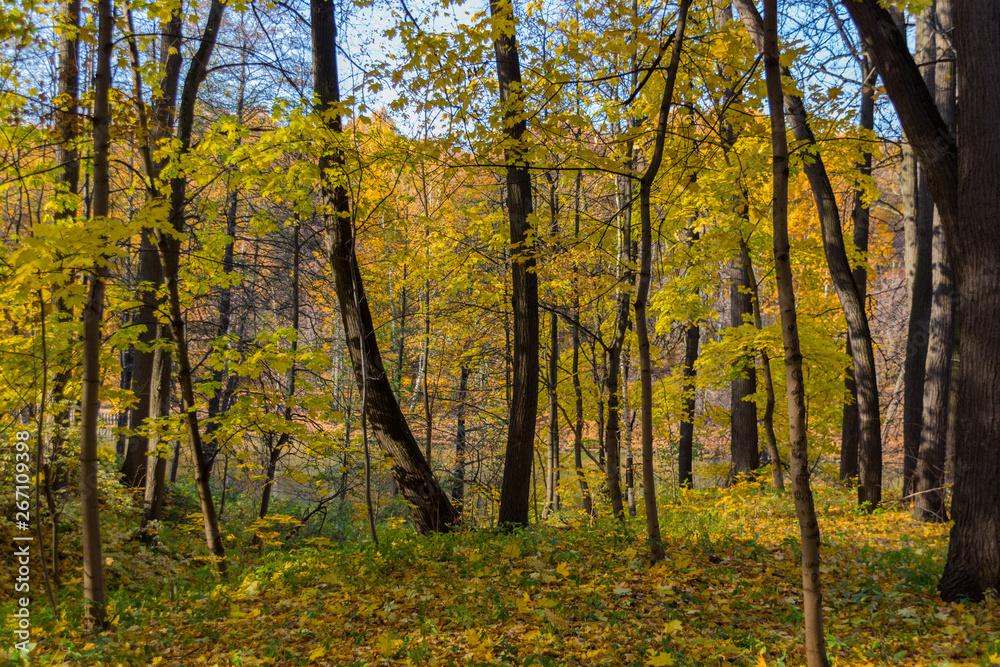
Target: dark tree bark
x=929, y=471
x=870, y=447
x=552, y=466
x=628, y=420
x=642, y=290
x=610, y=455
x=217, y=402
x=150, y=274
x=67, y=128
x=93, y=318
x=861, y=218
x=965, y=184
x=765, y=363
x=812, y=598
x=458, y=487
x=743, y=437
x=918, y=229
x=586, y=502
x=515, y=488
x=685, y=445
x=429, y=505
x=152, y=509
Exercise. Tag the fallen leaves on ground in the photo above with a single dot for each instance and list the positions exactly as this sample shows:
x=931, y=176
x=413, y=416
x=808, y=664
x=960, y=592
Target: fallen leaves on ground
x=727, y=594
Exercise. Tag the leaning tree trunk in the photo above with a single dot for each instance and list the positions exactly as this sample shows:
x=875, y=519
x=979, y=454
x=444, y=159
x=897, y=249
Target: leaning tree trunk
x=514, y=491
x=812, y=599
x=642, y=290
x=429, y=505
x=929, y=471
x=870, y=446
x=169, y=247
x=93, y=317
x=965, y=185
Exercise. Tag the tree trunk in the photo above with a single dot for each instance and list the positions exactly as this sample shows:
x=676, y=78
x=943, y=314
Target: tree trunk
x=524, y=294
x=150, y=276
x=612, y=425
x=610, y=455
x=685, y=448
x=642, y=291
x=150, y=272
x=777, y=478
x=552, y=473
x=743, y=437
x=458, y=488
x=870, y=447
x=861, y=218
x=929, y=472
x=68, y=184
x=169, y=247
x=628, y=418
x=93, y=317
x=586, y=502
x=918, y=252
x=812, y=599
x=275, y=450
x=219, y=396
x=964, y=184
x=685, y=445
x=152, y=509
x=429, y=505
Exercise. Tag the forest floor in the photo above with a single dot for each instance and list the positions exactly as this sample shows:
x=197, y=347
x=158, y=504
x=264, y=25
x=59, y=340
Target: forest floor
x=574, y=592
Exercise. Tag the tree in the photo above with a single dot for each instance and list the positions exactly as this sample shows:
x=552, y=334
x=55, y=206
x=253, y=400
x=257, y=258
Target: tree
x=514, y=492
x=743, y=411
x=928, y=474
x=812, y=599
x=168, y=244
x=870, y=447
x=150, y=273
x=93, y=318
x=918, y=227
x=642, y=287
x=964, y=181
x=429, y=505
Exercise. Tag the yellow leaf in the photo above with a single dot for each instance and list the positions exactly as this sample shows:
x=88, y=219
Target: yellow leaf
x=661, y=659
x=761, y=662
x=316, y=654
x=672, y=627
x=562, y=569
x=511, y=551
x=995, y=659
